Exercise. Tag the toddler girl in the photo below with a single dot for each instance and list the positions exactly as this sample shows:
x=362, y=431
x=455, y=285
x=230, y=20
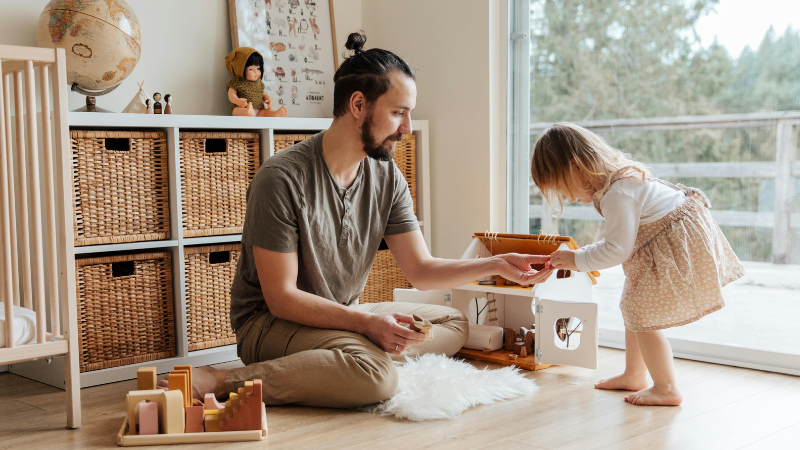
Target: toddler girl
x=674, y=255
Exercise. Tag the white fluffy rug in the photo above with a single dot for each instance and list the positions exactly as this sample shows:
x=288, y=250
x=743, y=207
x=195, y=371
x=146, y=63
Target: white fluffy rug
x=438, y=387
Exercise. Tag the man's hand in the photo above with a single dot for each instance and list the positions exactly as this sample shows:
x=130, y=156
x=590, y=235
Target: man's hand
x=517, y=268
x=563, y=259
x=386, y=333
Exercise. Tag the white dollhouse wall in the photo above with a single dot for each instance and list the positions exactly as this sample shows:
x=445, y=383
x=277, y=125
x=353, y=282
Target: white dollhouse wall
x=556, y=298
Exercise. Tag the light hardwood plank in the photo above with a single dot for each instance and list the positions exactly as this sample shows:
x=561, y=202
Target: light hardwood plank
x=786, y=438
x=724, y=407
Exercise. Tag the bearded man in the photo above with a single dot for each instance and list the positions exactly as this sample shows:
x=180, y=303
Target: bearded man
x=316, y=215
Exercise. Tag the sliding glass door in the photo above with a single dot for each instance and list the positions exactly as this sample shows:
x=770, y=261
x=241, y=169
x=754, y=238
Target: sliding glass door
x=702, y=101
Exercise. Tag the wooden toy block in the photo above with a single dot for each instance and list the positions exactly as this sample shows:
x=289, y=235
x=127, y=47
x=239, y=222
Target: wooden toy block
x=188, y=370
x=148, y=418
x=243, y=412
x=179, y=381
x=210, y=402
x=234, y=399
x=211, y=422
x=423, y=326
x=146, y=378
x=171, y=417
x=194, y=419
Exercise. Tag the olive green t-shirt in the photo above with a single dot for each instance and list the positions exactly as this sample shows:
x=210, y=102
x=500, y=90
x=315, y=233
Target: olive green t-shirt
x=294, y=205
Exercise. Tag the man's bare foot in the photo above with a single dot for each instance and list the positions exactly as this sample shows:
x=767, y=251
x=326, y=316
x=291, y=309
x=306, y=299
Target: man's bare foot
x=205, y=379
x=655, y=396
x=623, y=382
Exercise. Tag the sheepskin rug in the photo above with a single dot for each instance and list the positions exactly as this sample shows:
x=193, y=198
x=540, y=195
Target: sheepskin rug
x=437, y=387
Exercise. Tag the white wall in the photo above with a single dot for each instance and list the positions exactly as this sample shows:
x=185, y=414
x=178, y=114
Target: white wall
x=183, y=49
x=452, y=44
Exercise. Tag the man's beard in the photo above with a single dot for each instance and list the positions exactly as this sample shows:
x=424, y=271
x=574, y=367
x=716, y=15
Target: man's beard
x=383, y=151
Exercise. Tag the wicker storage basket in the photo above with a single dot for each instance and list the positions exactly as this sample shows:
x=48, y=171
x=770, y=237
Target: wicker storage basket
x=383, y=279
x=121, y=187
x=216, y=168
x=385, y=275
x=125, y=309
x=209, y=274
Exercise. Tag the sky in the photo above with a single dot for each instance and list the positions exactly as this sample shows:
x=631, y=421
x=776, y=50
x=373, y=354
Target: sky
x=740, y=23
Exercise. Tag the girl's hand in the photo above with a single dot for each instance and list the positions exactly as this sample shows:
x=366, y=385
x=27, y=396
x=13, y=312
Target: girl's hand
x=517, y=268
x=563, y=259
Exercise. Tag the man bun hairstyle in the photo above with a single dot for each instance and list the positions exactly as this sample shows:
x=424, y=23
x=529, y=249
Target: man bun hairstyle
x=366, y=71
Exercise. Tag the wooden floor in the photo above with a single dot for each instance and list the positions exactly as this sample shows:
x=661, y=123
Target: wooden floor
x=724, y=408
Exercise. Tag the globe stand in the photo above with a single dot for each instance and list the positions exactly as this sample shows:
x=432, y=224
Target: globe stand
x=91, y=106
x=91, y=101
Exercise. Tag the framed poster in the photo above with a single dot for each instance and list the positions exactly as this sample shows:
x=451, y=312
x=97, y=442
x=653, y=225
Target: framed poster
x=298, y=42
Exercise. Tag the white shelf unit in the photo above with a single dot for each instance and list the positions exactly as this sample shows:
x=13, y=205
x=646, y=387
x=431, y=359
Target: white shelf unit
x=50, y=371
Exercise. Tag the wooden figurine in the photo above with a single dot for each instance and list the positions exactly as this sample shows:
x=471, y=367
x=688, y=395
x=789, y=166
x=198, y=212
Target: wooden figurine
x=423, y=326
x=168, y=100
x=245, y=88
x=157, y=105
x=530, y=338
x=146, y=379
x=149, y=107
x=510, y=336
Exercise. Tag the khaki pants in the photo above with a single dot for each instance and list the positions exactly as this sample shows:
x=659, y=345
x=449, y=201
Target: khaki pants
x=317, y=367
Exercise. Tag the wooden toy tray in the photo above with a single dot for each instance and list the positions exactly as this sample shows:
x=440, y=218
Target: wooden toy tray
x=129, y=440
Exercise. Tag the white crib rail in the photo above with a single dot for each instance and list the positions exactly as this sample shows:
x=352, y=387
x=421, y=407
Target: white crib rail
x=33, y=180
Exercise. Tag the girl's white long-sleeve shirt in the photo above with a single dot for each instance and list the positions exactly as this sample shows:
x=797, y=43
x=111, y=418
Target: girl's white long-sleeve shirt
x=628, y=203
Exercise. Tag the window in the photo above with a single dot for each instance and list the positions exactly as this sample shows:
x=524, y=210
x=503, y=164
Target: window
x=704, y=92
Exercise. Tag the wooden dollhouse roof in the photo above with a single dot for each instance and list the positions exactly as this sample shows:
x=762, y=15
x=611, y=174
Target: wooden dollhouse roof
x=530, y=244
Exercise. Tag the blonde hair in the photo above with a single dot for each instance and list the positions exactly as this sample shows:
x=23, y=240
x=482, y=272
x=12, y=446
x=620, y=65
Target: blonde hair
x=563, y=144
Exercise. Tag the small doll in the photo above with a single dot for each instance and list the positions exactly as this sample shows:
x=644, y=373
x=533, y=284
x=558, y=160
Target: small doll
x=149, y=107
x=245, y=88
x=157, y=105
x=168, y=108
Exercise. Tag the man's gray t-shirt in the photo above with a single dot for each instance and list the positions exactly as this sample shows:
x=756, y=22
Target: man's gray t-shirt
x=294, y=205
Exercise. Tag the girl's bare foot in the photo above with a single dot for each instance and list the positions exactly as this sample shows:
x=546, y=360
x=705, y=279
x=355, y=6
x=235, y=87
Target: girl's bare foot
x=624, y=382
x=655, y=396
x=205, y=379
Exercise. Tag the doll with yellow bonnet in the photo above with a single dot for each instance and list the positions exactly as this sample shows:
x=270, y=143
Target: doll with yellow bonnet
x=245, y=88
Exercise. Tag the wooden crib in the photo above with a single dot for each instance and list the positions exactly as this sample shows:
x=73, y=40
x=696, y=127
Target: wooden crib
x=37, y=263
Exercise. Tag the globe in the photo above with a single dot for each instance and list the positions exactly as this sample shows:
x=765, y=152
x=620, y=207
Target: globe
x=101, y=38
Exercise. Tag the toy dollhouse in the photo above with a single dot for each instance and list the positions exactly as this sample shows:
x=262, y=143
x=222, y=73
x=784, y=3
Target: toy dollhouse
x=560, y=311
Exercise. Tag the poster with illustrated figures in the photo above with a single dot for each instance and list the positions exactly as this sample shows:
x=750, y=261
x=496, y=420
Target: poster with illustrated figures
x=296, y=39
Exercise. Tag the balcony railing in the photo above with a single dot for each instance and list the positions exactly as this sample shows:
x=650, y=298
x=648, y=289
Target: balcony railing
x=783, y=170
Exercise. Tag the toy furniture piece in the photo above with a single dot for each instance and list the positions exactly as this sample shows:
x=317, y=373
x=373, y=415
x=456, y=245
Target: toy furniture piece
x=242, y=418
x=40, y=181
x=559, y=312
